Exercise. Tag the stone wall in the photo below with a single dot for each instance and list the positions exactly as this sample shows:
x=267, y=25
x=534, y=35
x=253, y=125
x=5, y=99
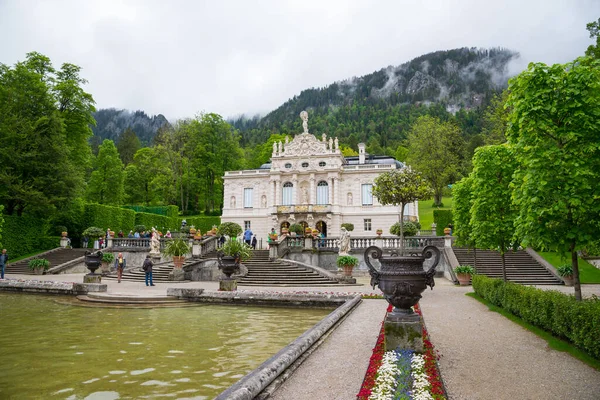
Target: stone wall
x=50, y=287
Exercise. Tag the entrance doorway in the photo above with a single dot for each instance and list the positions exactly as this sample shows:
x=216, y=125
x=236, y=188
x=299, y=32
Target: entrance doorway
x=322, y=227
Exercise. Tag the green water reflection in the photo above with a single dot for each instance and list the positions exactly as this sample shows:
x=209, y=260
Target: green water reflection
x=52, y=350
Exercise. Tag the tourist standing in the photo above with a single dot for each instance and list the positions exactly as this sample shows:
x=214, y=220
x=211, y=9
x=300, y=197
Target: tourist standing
x=254, y=242
x=3, y=261
x=147, y=267
x=248, y=236
x=85, y=242
x=136, y=235
x=120, y=264
x=101, y=242
x=130, y=235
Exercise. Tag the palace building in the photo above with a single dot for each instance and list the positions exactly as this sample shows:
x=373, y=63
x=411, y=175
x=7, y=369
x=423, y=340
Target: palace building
x=310, y=182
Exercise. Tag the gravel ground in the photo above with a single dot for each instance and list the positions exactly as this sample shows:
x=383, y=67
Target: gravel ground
x=335, y=370
x=486, y=356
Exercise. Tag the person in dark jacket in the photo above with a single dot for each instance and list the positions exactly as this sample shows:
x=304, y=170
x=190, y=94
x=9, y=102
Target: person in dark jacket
x=147, y=267
x=3, y=261
x=254, y=241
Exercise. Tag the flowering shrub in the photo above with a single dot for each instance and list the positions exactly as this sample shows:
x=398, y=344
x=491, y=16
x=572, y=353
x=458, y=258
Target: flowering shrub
x=401, y=374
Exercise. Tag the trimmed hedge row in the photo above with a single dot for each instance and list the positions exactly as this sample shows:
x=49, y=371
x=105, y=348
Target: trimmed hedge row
x=161, y=222
x=555, y=312
x=23, y=235
x=167, y=211
x=442, y=218
x=104, y=217
x=202, y=223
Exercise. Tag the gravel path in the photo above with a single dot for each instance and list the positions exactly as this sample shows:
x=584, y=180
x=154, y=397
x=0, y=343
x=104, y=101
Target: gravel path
x=335, y=370
x=486, y=356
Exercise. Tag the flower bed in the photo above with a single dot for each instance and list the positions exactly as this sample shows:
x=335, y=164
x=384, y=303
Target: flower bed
x=402, y=374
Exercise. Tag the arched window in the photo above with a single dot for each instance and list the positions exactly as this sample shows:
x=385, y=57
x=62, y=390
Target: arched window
x=288, y=194
x=322, y=193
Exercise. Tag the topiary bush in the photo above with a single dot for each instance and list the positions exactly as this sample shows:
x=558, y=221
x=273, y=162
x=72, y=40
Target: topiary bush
x=410, y=229
x=297, y=229
x=349, y=227
x=230, y=229
x=555, y=312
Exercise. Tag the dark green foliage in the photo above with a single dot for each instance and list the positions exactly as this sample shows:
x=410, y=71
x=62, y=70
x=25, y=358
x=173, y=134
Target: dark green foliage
x=93, y=232
x=1, y=224
x=25, y=235
x=442, y=219
x=237, y=248
x=139, y=228
x=39, y=263
x=104, y=217
x=555, y=312
x=168, y=211
x=346, y=261
x=127, y=144
x=296, y=228
x=176, y=248
x=107, y=257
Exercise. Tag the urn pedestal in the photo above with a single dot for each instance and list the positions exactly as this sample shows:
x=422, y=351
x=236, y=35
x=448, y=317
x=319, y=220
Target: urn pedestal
x=92, y=262
x=402, y=279
x=228, y=265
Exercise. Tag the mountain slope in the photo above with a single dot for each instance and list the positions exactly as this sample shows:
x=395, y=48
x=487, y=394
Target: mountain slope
x=111, y=123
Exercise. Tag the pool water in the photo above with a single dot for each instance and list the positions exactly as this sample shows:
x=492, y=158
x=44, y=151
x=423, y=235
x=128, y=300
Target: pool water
x=52, y=349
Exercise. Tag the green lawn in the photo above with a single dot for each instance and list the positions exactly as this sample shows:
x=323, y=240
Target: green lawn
x=426, y=211
x=587, y=272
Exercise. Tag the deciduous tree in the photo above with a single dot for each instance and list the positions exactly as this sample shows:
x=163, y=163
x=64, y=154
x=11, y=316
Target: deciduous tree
x=555, y=121
x=432, y=149
x=401, y=187
x=106, y=182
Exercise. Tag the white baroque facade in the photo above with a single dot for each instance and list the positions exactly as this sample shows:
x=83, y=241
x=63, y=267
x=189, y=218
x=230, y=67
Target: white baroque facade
x=310, y=182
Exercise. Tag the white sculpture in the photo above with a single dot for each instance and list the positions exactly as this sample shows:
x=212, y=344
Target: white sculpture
x=274, y=148
x=304, y=116
x=344, y=242
x=337, y=144
x=154, y=242
x=305, y=196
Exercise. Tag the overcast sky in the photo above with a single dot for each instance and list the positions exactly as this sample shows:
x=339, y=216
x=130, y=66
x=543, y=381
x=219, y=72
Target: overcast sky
x=232, y=57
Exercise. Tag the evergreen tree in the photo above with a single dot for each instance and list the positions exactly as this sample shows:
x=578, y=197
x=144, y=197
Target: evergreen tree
x=106, y=182
x=127, y=145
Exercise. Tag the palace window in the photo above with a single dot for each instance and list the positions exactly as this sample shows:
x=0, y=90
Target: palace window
x=304, y=165
x=367, y=194
x=322, y=164
x=246, y=225
x=248, y=197
x=288, y=165
x=322, y=193
x=288, y=194
x=367, y=225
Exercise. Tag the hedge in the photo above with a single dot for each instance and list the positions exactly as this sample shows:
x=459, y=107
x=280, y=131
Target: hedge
x=161, y=222
x=1, y=224
x=553, y=311
x=442, y=218
x=167, y=211
x=103, y=216
x=24, y=235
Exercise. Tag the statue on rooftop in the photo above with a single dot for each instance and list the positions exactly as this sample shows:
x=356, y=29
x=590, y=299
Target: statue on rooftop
x=304, y=116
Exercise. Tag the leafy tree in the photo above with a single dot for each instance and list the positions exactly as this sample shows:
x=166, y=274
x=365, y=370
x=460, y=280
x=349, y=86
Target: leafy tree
x=432, y=148
x=462, y=194
x=555, y=120
x=492, y=212
x=593, y=50
x=106, y=182
x=127, y=145
x=148, y=179
x=401, y=187
x=42, y=136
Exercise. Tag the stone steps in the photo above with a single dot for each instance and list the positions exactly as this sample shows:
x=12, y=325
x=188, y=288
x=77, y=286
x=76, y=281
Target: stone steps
x=56, y=257
x=132, y=300
x=520, y=266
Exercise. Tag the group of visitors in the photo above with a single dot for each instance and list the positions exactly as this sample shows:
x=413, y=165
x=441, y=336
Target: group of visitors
x=250, y=238
x=121, y=264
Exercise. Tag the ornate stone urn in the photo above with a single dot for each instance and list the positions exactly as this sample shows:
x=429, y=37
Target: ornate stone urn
x=92, y=262
x=402, y=279
x=228, y=264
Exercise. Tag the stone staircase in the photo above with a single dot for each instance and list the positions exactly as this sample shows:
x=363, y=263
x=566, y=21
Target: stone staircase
x=160, y=272
x=520, y=266
x=56, y=257
x=264, y=272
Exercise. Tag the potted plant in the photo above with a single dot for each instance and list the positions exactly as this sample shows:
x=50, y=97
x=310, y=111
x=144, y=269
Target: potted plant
x=379, y=232
x=566, y=273
x=197, y=234
x=307, y=231
x=107, y=259
x=231, y=254
x=463, y=274
x=177, y=249
x=347, y=263
x=192, y=230
x=39, y=265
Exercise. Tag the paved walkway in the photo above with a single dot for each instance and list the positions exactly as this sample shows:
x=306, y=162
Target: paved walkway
x=483, y=354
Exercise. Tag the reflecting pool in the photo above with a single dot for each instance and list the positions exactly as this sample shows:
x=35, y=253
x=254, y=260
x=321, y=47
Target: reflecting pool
x=51, y=349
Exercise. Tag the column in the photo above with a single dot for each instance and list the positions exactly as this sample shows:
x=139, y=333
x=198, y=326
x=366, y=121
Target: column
x=277, y=193
x=312, y=199
x=336, y=191
x=330, y=187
